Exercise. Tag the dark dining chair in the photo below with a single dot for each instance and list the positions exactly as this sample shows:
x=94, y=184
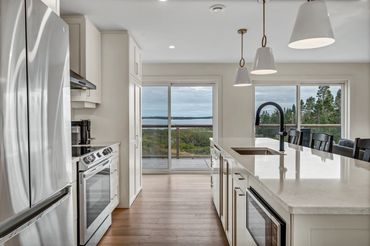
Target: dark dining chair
x=322, y=141
x=361, y=149
x=295, y=136
x=344, y=147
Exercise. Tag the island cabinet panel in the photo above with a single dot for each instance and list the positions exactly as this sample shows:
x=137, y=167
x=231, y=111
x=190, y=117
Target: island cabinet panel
x=215, y=177
x=331, y=230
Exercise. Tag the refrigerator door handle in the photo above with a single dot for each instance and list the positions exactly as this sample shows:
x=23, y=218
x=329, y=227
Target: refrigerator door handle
x=10, y=227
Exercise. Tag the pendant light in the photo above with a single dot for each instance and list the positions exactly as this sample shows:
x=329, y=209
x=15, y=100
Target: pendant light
x=242, y=75
x=312, y=27
x=264, y=62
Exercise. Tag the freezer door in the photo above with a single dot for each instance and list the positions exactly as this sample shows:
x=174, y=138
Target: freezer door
x=49, y=101
x=14, y=173
x=53, y=227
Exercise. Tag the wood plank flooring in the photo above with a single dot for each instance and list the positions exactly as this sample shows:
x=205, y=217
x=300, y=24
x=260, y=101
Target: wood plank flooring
x=172, y=209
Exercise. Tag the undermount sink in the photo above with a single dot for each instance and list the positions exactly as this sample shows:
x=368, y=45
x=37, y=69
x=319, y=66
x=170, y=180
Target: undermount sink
x=256, y=151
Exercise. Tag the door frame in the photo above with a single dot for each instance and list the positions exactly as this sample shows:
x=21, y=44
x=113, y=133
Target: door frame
x=169, y=81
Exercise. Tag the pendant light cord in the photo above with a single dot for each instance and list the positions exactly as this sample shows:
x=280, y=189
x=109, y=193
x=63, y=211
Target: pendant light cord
x=242, y=60
x=264, y=37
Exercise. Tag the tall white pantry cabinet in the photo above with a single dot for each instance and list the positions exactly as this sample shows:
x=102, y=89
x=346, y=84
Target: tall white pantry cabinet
x=128, y=82
x=120, y=66
x=135, y=149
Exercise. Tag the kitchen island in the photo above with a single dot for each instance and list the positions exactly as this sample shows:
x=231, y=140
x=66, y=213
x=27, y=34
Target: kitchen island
x=323, y=198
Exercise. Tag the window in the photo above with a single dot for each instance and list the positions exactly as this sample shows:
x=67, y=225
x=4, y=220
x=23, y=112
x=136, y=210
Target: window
x=285, y=96
x=320, y=109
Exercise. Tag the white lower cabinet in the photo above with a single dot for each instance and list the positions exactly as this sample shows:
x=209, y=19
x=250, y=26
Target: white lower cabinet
x=229, y=187
x=114, y=178
x=240, y=234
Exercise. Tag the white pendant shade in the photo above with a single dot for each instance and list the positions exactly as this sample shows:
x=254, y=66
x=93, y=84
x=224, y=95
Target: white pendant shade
x=242, y=77
x=312, y=27
x=264, y=62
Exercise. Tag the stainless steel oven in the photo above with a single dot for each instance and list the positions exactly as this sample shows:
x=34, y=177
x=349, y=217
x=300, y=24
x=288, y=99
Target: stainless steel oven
x=263, y=222
x=94, y=198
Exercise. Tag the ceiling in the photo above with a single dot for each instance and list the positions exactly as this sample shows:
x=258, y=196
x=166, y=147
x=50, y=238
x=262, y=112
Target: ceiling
x=202, y=36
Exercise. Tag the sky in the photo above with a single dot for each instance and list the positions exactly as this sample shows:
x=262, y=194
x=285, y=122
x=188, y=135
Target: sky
x=193, y=101
x=286, y=95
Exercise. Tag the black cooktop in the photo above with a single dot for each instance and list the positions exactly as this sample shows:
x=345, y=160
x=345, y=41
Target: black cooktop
x=78, y=151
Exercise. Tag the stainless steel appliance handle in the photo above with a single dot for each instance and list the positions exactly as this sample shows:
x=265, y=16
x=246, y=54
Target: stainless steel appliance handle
x=13, y=226
x=97, y=169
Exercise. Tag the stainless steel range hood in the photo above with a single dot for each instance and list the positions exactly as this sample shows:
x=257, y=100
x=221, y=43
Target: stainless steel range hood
x=78, y=82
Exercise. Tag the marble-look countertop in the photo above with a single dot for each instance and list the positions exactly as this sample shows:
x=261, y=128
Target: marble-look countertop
x=303, y=180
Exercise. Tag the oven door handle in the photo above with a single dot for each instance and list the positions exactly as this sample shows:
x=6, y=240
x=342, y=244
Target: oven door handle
x=97, y=169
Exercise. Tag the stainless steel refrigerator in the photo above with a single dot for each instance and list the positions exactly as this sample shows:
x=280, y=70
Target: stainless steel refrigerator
x=35, y=149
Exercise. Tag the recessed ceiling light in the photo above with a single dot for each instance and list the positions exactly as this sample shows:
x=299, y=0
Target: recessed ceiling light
x=163, y=0
x=217, y=8
x=171, y=47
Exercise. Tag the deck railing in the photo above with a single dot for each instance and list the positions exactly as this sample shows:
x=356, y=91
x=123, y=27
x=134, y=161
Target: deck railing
x=195, y=145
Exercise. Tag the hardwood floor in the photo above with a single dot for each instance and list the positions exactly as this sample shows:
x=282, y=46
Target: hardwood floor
x=172, y=209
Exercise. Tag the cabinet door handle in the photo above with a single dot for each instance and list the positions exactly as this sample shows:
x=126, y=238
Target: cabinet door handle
x=136, y=68
x=241, y=176
x=241, y=192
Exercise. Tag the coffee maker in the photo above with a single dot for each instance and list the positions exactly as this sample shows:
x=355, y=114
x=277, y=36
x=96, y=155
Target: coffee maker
x=81, y=132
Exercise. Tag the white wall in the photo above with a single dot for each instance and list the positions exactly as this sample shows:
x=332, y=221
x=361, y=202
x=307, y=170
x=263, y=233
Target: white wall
x=238, y=102
x=109, y=120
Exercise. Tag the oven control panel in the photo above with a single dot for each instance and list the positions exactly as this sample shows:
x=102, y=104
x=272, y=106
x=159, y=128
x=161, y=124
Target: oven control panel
x=97, y=155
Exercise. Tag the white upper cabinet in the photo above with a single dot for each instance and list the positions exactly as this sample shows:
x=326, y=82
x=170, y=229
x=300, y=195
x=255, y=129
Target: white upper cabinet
x=135, y=66
x=53, y=4
x=85, y=59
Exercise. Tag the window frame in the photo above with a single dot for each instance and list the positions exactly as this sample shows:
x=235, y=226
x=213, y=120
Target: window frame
x=298, y=84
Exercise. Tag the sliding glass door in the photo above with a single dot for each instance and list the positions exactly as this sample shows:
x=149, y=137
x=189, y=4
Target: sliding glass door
x=177, y=125
x=155, y=131
x=191, y=126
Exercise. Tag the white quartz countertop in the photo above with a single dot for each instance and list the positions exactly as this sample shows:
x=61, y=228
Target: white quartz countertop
x=303, y=180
